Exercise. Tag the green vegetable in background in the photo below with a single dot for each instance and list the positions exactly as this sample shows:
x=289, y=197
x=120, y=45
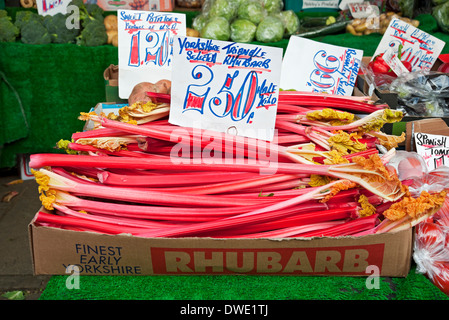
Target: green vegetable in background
x=252, y=10
x=224, y=8
x=199, y=22
x=407, y=7
x=438, y=2
x=273, y=6
x=271, y=29
x=217, y=28
x=291, y=22
x=441, y=14
x=24, y=17
x=88, y=11
x=93, y=34
x=8, y=31
x=56, y=26
x=34, y=32
x=243, y=30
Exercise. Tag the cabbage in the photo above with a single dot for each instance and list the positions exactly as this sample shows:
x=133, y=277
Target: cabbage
x=441, y=14
x=271, y=29
x=243, y=30
x=252, y=10
x=199, y=22
x=291, y=22
x=216, y=28
x=273, y=6
x=224, y=8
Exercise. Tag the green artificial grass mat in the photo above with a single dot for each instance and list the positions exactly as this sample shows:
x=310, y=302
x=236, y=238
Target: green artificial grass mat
x=242, y=287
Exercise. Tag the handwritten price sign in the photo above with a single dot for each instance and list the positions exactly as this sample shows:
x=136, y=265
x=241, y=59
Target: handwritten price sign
x=225, y=86
x=146, y=46
x=52, y=7
x=418, y=47
x=433, y=148
x=316, y=67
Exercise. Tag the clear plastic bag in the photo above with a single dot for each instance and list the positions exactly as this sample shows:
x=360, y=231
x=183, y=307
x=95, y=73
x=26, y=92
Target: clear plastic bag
x=423, y=93
x=431, y=250
x=412, y=171
x=431, y=241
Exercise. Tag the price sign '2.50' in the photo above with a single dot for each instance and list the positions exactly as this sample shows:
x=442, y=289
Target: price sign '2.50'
x=228, y=85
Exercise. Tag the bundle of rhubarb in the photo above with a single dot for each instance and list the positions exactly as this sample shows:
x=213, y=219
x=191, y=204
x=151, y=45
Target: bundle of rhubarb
x=322, y=175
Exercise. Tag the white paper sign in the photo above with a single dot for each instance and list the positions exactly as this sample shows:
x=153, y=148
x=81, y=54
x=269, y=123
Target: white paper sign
x=312, y=66
x=363, y=10
x=225, y=86
x=418, y=47
x=344, y=4
x=393, y=62
x=320, y=4
x=146, y=46
x=52, y=7
x=433, y=148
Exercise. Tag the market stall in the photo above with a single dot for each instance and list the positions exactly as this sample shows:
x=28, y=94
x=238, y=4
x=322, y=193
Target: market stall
x=201, y=176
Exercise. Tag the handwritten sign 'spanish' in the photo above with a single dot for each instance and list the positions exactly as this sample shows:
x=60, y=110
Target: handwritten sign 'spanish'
x=312, y=66
x=146, y=46
x=225, y=86
x=433, y=148
x=418, y=47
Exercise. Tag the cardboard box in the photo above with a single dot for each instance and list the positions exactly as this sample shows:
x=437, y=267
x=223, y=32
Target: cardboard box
x=111, y=85
x=103, y=107
x=437, y=126
x=24, y=168
x=54, y=250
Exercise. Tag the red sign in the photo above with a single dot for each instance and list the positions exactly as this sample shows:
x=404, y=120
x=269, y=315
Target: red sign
x=307, y=261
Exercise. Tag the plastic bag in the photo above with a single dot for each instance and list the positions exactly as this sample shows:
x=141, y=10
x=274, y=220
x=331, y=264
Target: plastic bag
x=271, y=29
x=431, y=242
x=243, y=30
x=431, y=253
x=423, y=93
x=412, y=171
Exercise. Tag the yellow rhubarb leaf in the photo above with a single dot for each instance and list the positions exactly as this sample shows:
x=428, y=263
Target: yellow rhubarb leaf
x=333, y=117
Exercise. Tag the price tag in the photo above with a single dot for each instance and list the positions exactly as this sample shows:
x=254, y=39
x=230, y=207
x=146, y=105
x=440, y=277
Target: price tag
x=363, y=10
x=145, y=46
x=344, y=4
x=433, y=148
x=418, y=47
x=313, y=66
x=52, y=7
x=225, y=86
x=394, y=63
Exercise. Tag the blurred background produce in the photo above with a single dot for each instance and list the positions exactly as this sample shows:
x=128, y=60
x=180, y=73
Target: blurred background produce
x=245, y=21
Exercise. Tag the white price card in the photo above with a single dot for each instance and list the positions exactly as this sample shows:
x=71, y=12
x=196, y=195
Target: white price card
x=394, y=63
x=225, y=86
x=418, y=47
x=433, y=148
x=363, y=10
x=145, y=46
x=52, y=7
x=312, y=66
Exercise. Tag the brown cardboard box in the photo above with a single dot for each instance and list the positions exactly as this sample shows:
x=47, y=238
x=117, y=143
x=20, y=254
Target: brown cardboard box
x=53, y=250
x=111, y=84
x=436, y=126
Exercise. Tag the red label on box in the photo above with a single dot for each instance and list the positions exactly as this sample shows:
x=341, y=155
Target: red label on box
x=352, y=260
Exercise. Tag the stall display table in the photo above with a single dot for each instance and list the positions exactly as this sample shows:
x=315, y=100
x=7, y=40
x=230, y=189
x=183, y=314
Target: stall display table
x=43, y=88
